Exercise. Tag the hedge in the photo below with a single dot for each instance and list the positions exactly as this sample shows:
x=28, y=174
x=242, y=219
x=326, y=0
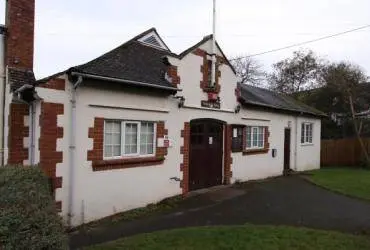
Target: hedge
x=28, y=217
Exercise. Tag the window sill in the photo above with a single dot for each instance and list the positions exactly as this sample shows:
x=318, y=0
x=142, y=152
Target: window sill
x=306, y=144
x=255, y=151
x=126, y=163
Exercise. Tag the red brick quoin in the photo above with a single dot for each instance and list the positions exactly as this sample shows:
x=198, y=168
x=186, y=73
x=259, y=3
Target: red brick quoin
x=96, y=154
x=17, y=131
x=49, y=133
x=184, y=166
x=172, y=73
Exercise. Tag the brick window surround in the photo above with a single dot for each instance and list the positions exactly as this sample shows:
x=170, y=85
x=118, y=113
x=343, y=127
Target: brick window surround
x=96, y=154
x=204, y=70
x=263, y=150
x=185, y=149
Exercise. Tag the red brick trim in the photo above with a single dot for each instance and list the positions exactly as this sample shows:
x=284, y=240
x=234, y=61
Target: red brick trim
x=49, y=133
x=126, y=163
x=55, y=83
x=96, y=154
x=264, y=150
x=184, y=166
x=227, y=154
x=97, y=134
x=172, y=73
x=204, y=70
x=17, y=131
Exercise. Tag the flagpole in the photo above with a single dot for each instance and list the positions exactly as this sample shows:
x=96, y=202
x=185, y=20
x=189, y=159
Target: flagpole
x=213, y=76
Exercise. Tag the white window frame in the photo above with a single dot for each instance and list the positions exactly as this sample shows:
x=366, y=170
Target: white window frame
x=306, y=137
x=123, y=125
x=251, y=139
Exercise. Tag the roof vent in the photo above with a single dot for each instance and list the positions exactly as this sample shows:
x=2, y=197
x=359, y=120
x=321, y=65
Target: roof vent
x=152, y=41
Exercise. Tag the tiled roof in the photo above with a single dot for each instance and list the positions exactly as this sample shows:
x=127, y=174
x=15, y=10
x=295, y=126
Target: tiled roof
x=132, y=61
x=255, y=96
x=19, y=77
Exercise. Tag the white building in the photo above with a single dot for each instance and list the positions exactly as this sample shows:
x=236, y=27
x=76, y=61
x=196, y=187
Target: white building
x=141, y=123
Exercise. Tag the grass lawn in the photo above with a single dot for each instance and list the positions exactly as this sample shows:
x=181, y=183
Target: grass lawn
x=349, y=181
x=240, y=237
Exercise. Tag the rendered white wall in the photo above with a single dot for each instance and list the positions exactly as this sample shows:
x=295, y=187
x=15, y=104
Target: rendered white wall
x=103, y=193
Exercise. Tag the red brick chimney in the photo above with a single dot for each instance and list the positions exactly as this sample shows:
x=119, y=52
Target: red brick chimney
x=20, y=19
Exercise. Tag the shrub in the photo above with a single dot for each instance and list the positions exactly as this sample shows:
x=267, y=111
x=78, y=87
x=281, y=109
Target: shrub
x=28, y=218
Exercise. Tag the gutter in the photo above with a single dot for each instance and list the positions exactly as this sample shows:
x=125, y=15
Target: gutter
x=119, y=80
x=72, y=150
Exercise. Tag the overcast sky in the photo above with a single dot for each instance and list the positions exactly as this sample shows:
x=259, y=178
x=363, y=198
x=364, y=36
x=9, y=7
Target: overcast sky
x=70, y=32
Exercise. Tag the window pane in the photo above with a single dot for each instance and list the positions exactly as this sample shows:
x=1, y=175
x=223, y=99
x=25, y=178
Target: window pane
x=255, y=137
x=150, y=149
x=127, y=149
x=143, y=150
x=116, y=139
x=108, y=139
x=108, y=126
x=112, y=138
x=116, y=128
x=116, y=150
x=108, y=151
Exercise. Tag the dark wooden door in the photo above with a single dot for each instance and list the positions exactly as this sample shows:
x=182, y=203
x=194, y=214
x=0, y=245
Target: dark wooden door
x=286, y=149
x=205, y=159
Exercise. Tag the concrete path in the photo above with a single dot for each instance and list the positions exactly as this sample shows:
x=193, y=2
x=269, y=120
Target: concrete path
x=281, y=201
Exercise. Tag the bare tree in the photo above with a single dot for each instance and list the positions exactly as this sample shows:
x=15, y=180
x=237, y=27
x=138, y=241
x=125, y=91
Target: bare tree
x=347, y=79
x=249, y=70
x=300, y=72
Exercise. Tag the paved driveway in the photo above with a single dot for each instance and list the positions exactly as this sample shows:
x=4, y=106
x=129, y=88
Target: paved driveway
x=281, y=201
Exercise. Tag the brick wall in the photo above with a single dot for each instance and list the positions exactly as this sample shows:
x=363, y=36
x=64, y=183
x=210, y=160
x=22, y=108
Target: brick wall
x=184, y=166
x=49, y=133
x=96, y=154
x=55, y=83
x=172, y=72
x=17, y=132
x=20, y=15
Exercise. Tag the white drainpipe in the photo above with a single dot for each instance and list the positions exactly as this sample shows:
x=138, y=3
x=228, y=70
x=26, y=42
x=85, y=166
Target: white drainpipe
x=32, y=126
x=297, y=141
x=72, y=150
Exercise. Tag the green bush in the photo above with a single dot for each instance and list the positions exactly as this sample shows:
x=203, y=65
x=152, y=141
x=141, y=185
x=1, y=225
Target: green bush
x=28, y=217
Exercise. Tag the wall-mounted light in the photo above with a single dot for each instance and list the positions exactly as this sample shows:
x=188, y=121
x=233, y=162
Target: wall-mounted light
x=237, y=109
x=181, y=101
x=289, y=124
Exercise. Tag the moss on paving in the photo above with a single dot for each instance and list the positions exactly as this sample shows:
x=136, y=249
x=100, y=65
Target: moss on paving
x=240, y=237
x=349, y=181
